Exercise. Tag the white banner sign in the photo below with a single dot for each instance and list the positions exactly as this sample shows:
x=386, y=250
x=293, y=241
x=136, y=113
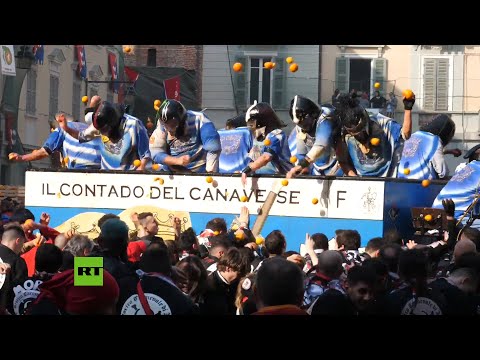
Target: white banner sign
x=7, y=60
x=300, y=198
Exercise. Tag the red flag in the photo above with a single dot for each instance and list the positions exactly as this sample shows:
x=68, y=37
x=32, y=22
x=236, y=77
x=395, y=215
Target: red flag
x=112, y=61
x=131, y=74
x=172, y=88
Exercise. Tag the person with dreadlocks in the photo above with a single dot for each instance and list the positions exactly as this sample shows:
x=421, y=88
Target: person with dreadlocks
x=270, y=153
x=371, y=144
x=185, y=140
x=423, y=154
x=314, y=138
x=124, y=137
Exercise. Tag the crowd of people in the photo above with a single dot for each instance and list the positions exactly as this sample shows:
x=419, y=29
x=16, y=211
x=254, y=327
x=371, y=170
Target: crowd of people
x=225, y=270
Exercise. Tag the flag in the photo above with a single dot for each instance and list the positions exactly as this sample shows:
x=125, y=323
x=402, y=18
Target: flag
x=172, y=88
x=112, y=61
x=132, y=75
x=82, y=61
x=38, y=51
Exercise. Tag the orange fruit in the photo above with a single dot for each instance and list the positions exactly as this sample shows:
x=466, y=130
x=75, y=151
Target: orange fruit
x=155, y=167
x=161, y=181
x=105, y=138
x=314, y=201
x=407, y=94
x=209, y=179
x=137, y=163
x=84, y=99
x=216, y=233
x=259, y=240
x=127, y=49
x=237, y=67
x=239, y=235
x=377, y=85
x=268, y=65
x=65, y=160
x=284, y=182
x=428, y=217
x=293, y=67
x=406, y=171
x=156, y=108
x=243, y=198
x=293, y=159
x=29, y=223
x=11, y=156
x=157, y=103
x=289, y=60
x=375, y=141
x=267, y=142
x=273, y=65
x=425, y=183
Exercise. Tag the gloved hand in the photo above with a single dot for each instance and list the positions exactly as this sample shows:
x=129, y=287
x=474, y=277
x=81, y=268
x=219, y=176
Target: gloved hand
x=408, y=103
x=449, y=207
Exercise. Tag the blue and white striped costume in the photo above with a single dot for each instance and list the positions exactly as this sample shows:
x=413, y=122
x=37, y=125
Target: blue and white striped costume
x=236, y=145
x=277, y=148
x=301, y=143
x=200, y=140
x=423, y=156
x=461, y=188
x=80, y=155
x=385, y=163
x=133, y=145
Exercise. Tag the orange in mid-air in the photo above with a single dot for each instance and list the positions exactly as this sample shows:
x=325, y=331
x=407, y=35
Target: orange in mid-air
x=293, y=67
x=137, y=163
x=375, y=141
x=289, y=60
x=406, y=171
x=377, y=85
x=84, y=99
x=155, y=166
x=268, y=65
x=259, y=240
x=284, y=182
x=425, y=183
x=267, y=142
x=29, y=223
x=428, y=217
x=293, y=159
x=407, y=94
x=65, y=160
x=243, y=198
x=209, y=179
x=314, y=201
x=237, y=67
x=127, y=49
x=157, y=103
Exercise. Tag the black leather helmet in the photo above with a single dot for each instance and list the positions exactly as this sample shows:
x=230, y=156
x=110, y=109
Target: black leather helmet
x=172, y=109
x=107, y=114
x=442, y=126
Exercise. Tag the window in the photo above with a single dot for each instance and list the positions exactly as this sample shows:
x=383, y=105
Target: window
x=152, y=57
x=53, y=107
x=260, y=88
x=77, y=88
x=436, y=80
x=31, y=92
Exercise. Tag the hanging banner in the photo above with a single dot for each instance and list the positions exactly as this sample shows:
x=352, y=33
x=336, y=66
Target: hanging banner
x=7, y=60
x=172, y=88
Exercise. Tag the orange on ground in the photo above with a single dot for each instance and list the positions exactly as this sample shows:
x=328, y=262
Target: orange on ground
x=375, y=141
x=237, y=67
x=293, y=67
x=407, y=94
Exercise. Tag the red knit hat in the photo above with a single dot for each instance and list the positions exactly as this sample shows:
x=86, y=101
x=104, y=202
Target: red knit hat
x=79, y=300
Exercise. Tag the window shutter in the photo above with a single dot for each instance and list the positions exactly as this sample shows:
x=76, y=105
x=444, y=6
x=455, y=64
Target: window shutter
x=53, y=96
x=279, y=83
x=342, y=74
x=442, y=85
x=380, y=72
x=76, y=99
x=240, y=84
x=429, y=84
x=31, y=91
